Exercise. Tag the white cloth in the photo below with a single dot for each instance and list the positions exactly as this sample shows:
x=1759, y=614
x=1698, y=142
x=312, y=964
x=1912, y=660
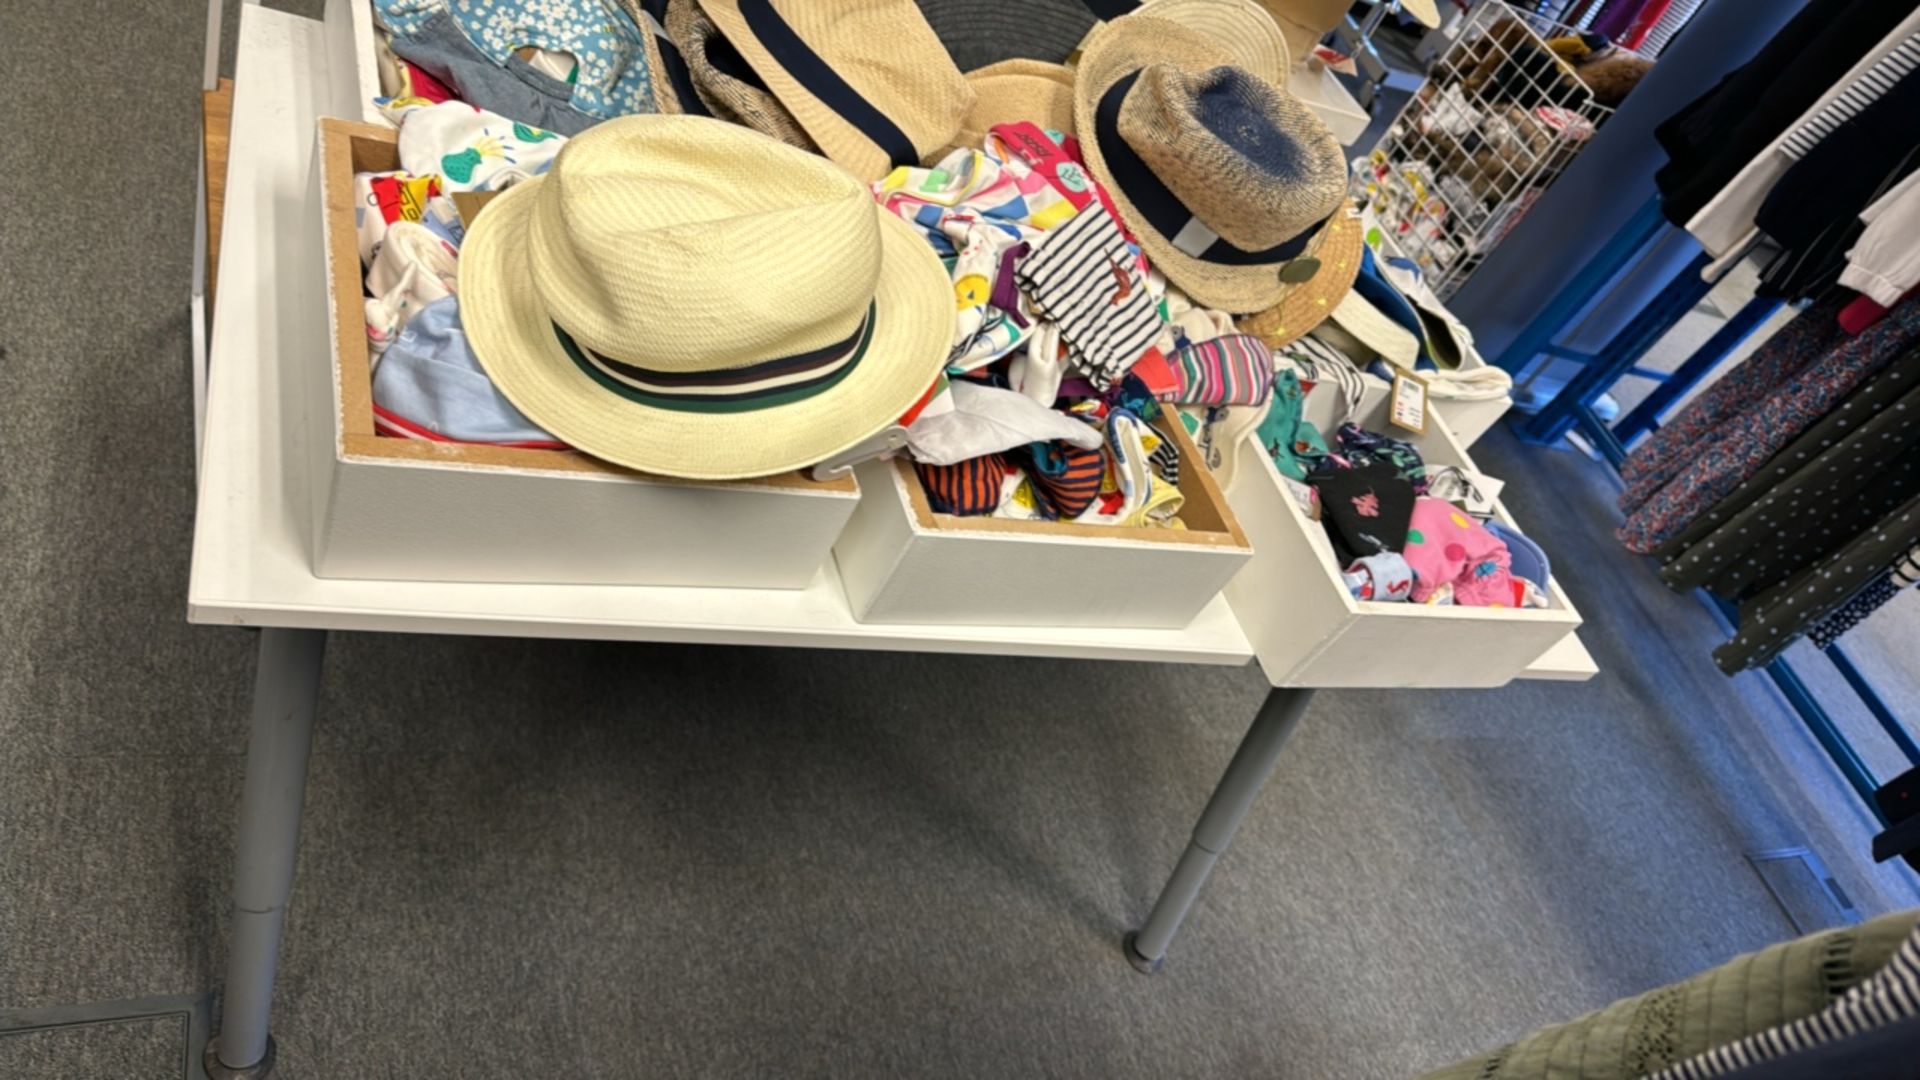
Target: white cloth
x=1196, y=324
x=1885, y=261
x=1726, y=222
x=986, y=420
x=1039, y=371
x=471, y=149
x=1222, y=429
x=413, y=268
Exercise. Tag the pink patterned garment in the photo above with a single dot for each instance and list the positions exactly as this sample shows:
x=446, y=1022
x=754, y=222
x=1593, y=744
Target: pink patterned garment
x=1446, y=547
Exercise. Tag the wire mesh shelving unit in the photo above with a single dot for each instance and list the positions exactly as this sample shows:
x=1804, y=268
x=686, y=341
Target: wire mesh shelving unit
x=1499, y=118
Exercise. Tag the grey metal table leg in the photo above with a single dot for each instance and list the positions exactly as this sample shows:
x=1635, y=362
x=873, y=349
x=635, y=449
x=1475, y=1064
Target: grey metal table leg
x=286, y=685
x=1251, y=765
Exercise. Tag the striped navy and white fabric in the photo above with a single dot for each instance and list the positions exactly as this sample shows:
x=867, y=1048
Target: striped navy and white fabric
x=1890, y=995
x=1869, y=88
x=1904, y=575
x=1084, y=277
x=1315, y=361
x=1165, y=458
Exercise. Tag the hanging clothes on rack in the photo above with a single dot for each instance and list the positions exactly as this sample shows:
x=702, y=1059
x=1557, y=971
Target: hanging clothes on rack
x=1844, y=474
x=1731, y=431
x=1885, y=262
x=1875, y=82
x=1778, y=617
x=1724, y=148
x=1904, y=575
x=1813, y=213
x=1627, y=22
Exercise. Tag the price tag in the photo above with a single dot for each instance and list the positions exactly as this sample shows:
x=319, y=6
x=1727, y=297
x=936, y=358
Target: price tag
x=1470, y=489
x=1409, y=406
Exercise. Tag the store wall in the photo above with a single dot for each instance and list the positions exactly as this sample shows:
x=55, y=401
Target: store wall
x=1609, y=181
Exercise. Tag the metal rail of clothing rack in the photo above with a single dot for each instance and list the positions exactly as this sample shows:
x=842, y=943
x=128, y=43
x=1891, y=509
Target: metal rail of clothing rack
x=1572, y=409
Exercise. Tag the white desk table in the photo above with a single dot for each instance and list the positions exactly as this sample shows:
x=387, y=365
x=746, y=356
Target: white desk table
x=251, y=566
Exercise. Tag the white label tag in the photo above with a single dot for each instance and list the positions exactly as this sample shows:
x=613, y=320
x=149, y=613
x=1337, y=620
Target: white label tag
x=1469, y=489
x=1409, y=408
x=1305, y=497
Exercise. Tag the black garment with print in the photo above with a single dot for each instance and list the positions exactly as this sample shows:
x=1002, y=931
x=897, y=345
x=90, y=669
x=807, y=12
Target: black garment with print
x=1776, y=618
x=1367, y=509
x=1840, y=478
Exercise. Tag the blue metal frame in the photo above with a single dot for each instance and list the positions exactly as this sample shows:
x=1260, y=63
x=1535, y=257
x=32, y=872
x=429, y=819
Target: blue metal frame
x=1536, y=338
x=1647, y=415
x=1621, y=353
x=1572, y=409
x=1831, y=739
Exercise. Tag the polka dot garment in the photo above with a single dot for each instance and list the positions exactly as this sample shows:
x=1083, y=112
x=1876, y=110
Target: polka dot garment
x=1742, y=442
x=1880, y=391
x=1813, y=502
x=1778, y=617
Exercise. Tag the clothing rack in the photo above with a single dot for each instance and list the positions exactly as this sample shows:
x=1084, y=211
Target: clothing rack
x=1572, y=409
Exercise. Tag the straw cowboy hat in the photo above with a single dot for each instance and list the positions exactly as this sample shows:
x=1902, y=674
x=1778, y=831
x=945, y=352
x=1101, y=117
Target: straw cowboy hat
x=867, y=79
x=1305, y=22
x=1236, y=191
x=686, y=297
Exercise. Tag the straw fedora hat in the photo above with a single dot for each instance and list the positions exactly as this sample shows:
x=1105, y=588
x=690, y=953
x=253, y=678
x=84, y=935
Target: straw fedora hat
x=1012, y=91
x=1326, y=294
x=1242, y=26
x=724, y=86
x=686, y=297
x=867, y=79
x=1231, y=184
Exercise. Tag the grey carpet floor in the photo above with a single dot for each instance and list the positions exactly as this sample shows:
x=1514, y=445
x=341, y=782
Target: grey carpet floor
x=574, y=859
x=133, y=1050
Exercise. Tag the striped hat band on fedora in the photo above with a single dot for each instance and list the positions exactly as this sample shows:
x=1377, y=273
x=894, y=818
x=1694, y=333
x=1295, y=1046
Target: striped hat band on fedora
x=867, y=79
x=745, y=387
x=642, y=302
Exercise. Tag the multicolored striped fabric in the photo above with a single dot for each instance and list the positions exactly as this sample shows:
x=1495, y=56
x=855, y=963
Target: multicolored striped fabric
x=1233, y=370
x=968, y=489
x=1066, y=478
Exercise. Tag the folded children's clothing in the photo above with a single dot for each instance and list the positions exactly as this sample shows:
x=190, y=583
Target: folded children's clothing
x=1367, y=509
x=1446, y=547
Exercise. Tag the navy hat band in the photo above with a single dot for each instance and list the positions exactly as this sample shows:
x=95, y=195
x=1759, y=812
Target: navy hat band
x=1163, y=209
